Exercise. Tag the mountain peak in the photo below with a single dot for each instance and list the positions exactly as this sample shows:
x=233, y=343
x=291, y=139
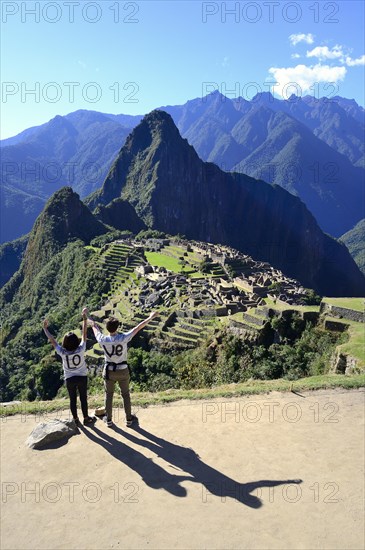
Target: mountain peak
x=63, y=219
x=156, y=139
x=158, y=115
x=294, y=98
x=71, y=219
x=215, y=95
x=263, y=97
x=159, y=121
x=156, y=125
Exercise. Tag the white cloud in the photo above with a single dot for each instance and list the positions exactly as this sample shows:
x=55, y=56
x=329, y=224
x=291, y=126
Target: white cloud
x=323, y=52
x=304, y=77
x=301, y=37
x=353, y=62
x=338, y=53
x=225, y=62
x=330, y=67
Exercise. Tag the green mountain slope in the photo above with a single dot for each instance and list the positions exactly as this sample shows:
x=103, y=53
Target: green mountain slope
x=355, y=242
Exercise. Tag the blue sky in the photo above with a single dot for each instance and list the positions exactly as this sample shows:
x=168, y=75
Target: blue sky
x=130, y=57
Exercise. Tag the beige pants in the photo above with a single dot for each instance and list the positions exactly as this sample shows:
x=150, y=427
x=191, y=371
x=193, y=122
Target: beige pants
x=122, y=378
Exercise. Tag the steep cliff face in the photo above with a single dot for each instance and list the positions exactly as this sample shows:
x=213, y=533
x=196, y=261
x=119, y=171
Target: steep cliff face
x=325, y=181
x=11, y=255
x=172, y=190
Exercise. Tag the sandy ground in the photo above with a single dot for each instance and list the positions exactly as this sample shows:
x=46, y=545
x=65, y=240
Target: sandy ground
x=279, y=471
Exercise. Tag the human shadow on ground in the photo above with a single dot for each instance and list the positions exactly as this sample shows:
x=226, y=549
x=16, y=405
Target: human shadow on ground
x=152, y=474
x=184, y=459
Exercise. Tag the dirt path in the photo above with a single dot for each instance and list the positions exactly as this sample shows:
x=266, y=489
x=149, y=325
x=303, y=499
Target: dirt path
x=276, y=471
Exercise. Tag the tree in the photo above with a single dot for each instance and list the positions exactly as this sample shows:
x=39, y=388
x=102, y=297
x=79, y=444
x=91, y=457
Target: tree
x=48, y=378
x=311, y=298
x=204, y=266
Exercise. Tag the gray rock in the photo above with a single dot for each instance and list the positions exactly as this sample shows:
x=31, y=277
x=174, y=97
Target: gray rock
x=48, y=432
x=153, y=299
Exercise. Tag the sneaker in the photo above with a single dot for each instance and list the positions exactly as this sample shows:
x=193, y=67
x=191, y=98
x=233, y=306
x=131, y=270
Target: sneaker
x=89, y=420
x=108, y=421
x=77, y=421
x=132, y=420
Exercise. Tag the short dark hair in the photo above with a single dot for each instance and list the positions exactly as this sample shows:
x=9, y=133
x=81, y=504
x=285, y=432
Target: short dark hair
x=70, y=341
x=112, y=324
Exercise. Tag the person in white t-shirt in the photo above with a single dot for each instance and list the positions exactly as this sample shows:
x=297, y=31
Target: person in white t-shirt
x=115, y=366
x=72, y=353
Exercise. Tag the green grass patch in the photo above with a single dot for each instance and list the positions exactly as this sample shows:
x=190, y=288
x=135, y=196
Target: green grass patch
x=279, y=306
x=251, y=387
x=356, y=344
x=357, y=304
x=159, y=259
x=198, y=275
x=235, y=316
x=124, y=308
x=175, y=249
x=243, y=286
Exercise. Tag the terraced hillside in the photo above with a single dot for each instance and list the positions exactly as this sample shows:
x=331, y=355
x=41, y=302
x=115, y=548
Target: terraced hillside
x=185, y=330
x=195, y=288
x=119, y=262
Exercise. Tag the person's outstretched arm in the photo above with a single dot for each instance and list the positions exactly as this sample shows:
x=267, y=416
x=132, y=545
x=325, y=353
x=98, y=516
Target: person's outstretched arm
x=94, y=326
x=142, y=324
x=84, y=325
x=48, y=334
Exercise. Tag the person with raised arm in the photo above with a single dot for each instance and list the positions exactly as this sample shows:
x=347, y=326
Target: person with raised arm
x=72, y=352
x=116, y=370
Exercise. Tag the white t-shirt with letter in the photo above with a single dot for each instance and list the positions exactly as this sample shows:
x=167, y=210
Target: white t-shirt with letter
x=73, y=362
x=115, y=347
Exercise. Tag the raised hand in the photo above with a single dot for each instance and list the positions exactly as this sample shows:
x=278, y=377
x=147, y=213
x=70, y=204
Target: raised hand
x=45, y=323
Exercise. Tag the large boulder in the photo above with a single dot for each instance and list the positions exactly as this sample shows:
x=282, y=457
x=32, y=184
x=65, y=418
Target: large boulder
x=48, y=432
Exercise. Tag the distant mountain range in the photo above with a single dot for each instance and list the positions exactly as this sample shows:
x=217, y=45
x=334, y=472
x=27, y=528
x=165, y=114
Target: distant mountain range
x=75, y=150
x=313, y=148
